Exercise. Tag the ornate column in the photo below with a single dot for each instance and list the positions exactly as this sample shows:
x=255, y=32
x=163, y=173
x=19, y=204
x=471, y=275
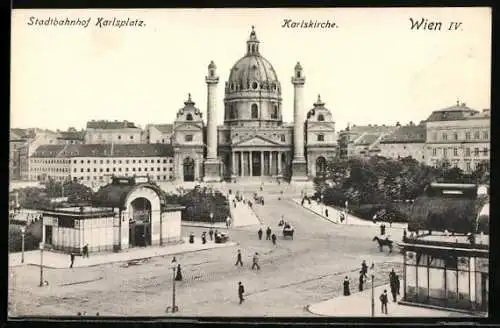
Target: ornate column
x=299, y=165
x=212, y=162
x=261, y=163
x=250, y=162
x=242, y=172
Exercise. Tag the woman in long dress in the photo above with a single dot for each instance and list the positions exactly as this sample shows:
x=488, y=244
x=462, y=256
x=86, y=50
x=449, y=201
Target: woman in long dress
x=346, y=286
x=178, y=276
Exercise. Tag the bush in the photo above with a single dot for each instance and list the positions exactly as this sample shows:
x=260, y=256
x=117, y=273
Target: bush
x=15, y=239
x=200, y=203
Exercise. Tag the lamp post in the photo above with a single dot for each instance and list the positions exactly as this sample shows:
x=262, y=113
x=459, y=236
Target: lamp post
x=373, y=295
x=174, y=308
x=23, y=231
x=41, y=264
x=212, y=218
x=346, y=210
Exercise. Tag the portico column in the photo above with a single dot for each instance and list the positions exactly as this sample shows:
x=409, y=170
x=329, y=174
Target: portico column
x=261, y=163
x=233, y=159
x=270, y=163
x=250, y=160
x=279, y=163
x=241, y=164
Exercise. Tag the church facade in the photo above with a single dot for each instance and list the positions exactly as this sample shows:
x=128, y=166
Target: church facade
x=253, y=141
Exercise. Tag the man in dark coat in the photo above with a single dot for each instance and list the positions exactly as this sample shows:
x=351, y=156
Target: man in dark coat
x=204, y=237
x=398, y=284
x=211, y=234
x=260, y=233
x=383, y=301
x=255, y=261
x=382, y=229
x=273, y=238
x=268, y=233
x=86, y=250
x=238, y=258
x=394, y=290
x=72, y=259
x=178, y=276
x=326, y=212
x=241, y=290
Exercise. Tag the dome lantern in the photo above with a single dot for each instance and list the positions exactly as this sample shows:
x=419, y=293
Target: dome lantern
x=253, y=43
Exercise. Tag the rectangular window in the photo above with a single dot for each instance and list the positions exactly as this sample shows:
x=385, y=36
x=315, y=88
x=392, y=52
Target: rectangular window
x=445, y=152
x=467, y=135
x=133, y=169
x=434, y=151
x=445, y=136
x=485, y=135
x=485, y=151
x=321, y=137
x=455, y=151
x=455, y=136
x=158, y=161
x=467, y=167
x=188, y=137
x=476, y=151
x=170, y=161
x=467, y=151
x=133, y=161
x=476, y=135
x=164, y=161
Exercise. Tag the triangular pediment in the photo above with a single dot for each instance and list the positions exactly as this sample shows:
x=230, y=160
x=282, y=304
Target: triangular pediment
x=256, y=141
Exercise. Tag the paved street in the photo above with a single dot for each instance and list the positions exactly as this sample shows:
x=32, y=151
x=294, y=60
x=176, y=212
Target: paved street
x=294, y=274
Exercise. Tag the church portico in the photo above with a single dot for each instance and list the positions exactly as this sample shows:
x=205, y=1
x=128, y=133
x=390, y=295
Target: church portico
x=258, y=163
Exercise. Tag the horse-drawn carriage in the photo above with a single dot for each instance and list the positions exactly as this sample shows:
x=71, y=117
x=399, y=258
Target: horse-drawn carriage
x=288, y=231
x=385, y=240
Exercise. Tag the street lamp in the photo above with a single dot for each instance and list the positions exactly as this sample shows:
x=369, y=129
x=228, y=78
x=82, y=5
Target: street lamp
x=23, y=231
x=212, y=218
x=346, y=210
x=372, y=271
x=41, y=264
x=174, y=308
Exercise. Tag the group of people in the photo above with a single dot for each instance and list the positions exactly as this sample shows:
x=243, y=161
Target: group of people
x=255, y=260
x=85, y=253
x=211, y=233
x=269, y=235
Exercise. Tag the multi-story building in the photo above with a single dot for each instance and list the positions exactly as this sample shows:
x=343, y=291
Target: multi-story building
x=158, y=133
x=23, y=144
x=118, y=132
x=97, y=163
x=459, y=135
x=407, y=141
x=72, y=136
x=362, y=141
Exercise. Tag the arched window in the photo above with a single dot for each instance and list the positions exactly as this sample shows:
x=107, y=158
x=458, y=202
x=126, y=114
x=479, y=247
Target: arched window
x=234, y=112
x=321, y=137
x=321, y=118
x=189, y=117
x=255, y=111
x=253, y=48
x=274, y=114
x=298, y=73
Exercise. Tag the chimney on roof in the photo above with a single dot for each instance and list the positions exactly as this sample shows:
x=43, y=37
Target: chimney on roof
x=398, y=124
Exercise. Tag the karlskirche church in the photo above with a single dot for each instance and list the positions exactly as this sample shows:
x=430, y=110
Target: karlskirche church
x=253, y=141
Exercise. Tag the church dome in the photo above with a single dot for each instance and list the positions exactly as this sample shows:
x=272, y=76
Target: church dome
x=253, y=72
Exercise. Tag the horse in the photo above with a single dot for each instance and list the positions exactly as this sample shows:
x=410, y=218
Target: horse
x=383, y=242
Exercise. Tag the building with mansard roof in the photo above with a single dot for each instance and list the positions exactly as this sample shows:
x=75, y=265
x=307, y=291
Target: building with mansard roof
x=121, y=132
x=407, y=141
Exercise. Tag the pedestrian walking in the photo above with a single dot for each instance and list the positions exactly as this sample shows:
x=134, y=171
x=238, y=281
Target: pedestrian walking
x=268, y=233
x=238, y=258
x=259, y=233
x=86, y=250
x=382, y=229
x=326, y=212
x=347, y=292
x=398, y=284
x=364, y=268
x=204, y=237
x=174, y=260
x=228, y=222
x=178, y=276
x=404, y=234
x=374, y=218
x=361, y=280
x=211, y=234
x=273, y=238
x=383, y=301
x=241, y=290
x=390, y=218
x=72, y=259
x=255, y=261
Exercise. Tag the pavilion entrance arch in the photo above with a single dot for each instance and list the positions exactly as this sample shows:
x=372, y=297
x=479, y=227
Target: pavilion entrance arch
x=143, y=208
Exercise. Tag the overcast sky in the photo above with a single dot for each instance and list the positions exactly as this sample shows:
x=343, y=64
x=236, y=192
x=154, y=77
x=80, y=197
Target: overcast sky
x=372, y=68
